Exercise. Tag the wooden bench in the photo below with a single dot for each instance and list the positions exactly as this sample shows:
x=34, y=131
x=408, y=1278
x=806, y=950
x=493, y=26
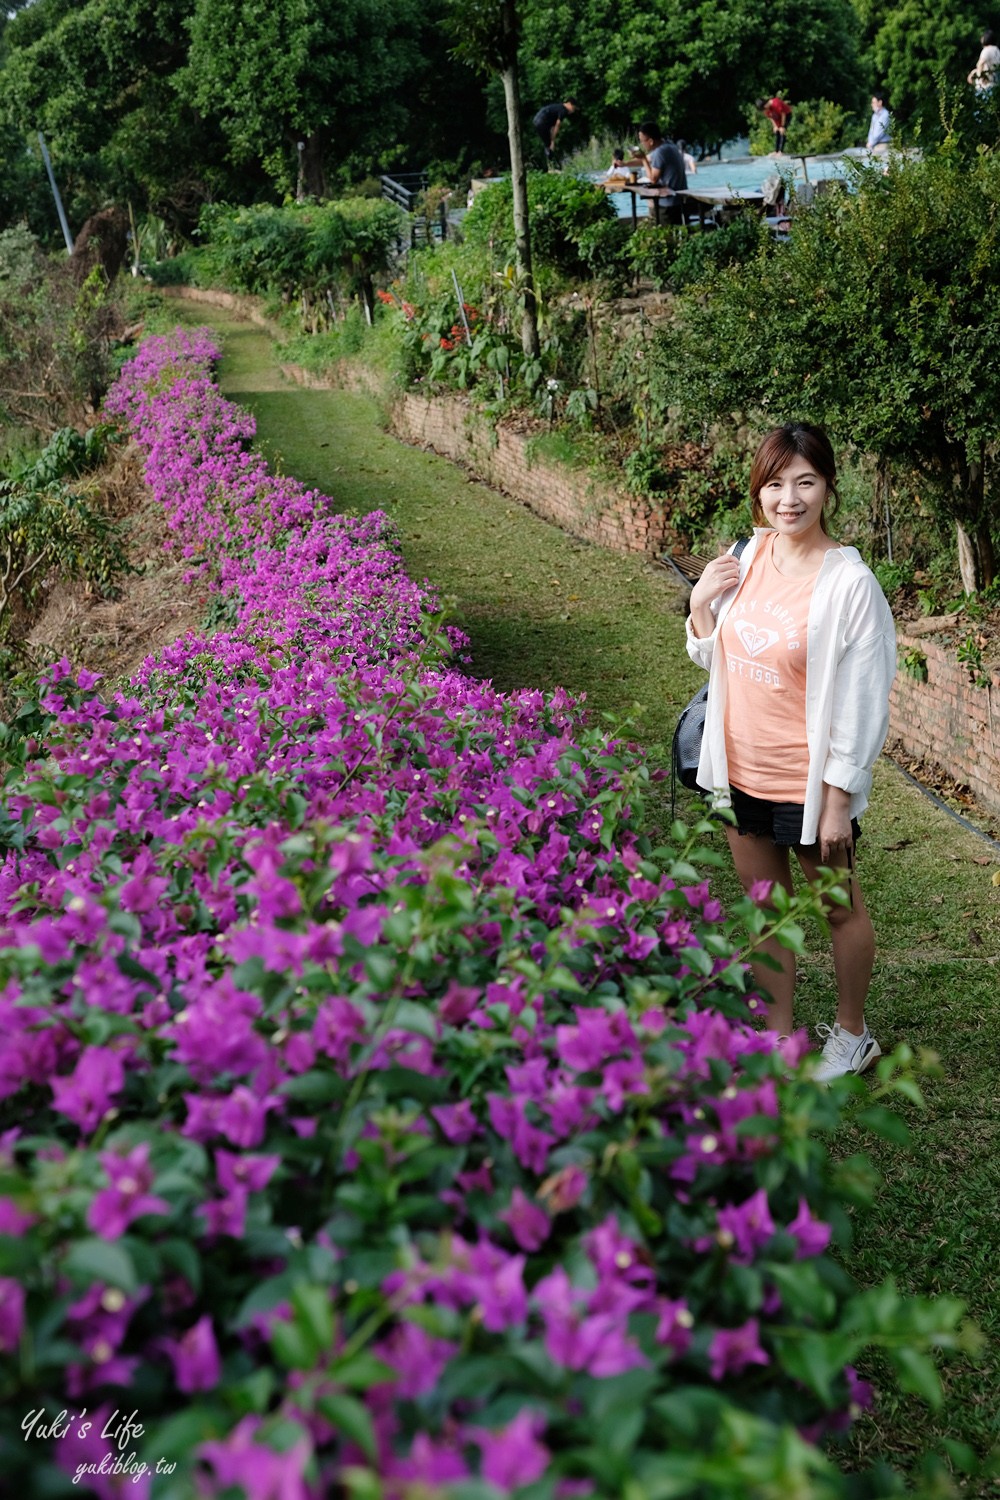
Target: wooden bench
x=688, y=566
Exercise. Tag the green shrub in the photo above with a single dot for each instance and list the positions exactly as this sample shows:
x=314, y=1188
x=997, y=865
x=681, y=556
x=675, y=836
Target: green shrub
x=562, y=210
x=604, y=248
x=738, y=243
x=315, y=254
x=176, y=270
x=652, y=251
x=46, y=528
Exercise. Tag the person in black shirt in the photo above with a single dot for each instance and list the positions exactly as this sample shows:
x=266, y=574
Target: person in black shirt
x=547, y=122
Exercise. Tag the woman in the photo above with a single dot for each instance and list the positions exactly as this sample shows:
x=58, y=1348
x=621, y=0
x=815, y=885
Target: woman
x=801, y=650
x=984, y=74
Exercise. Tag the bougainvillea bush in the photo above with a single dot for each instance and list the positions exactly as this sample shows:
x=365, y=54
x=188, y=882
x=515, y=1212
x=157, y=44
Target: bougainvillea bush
x=381, y=1116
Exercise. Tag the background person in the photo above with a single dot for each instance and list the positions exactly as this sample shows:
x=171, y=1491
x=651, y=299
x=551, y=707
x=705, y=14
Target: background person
x=779, y=112
x=662, y=159
x=880, y=130
x=800, y=648
x=984, y=74
x=548, y=120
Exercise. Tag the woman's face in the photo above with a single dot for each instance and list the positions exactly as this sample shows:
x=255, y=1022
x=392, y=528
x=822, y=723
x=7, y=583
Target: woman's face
x=792, y=500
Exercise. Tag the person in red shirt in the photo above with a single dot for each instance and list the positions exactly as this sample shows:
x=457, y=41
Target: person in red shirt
x=779, y=112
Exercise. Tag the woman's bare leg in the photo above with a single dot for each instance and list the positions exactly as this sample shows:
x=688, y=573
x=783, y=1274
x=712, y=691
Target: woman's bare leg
x=853, y=944
x=757, y=858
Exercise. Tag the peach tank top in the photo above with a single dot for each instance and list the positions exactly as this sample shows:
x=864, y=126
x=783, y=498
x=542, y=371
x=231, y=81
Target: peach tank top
x=764, y=641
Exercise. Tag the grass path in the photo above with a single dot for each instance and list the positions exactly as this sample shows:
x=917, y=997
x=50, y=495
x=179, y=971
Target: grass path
x=541, y=610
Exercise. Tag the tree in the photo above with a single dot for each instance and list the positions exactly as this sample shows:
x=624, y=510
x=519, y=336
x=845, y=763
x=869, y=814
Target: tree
x=99, y=78
x=880, y=319
x=694, y=65
x=333, y=75
x=487, y=32
x=914, y=47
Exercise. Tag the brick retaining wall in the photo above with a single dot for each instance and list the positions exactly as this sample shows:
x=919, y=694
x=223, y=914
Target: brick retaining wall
x=945, y=721
x=575, y=500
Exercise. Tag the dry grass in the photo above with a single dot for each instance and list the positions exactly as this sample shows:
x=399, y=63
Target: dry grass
x=154, y=605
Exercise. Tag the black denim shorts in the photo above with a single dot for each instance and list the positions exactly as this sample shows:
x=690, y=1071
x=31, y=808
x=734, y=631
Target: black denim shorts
x=781, y=822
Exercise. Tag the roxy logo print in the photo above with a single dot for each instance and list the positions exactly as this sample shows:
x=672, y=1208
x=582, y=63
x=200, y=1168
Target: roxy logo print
x=754, y=639
x=764, y=639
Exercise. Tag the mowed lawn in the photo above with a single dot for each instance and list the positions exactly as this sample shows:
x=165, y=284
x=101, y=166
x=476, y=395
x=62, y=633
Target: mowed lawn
x=544, y=610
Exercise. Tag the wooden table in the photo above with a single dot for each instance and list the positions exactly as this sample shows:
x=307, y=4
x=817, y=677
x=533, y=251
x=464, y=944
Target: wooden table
x=701, y=200
x=649, y=192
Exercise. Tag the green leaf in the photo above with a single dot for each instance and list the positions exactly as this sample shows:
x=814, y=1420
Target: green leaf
x=409, y=1016
x=351, y=1419
x=293, y=1346
x=359, y=1371
x=917, y=1374
x=106, y=1261
x=182, y=1255
x=817, y=1359
x=886, y=1124
x=314, y=1314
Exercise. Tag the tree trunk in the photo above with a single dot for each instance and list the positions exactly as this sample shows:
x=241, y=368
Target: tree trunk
x=311, y=173
x=976, y=558
x=519, y=181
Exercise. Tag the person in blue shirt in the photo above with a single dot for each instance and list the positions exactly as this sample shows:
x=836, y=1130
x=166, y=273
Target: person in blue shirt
x=879, y=131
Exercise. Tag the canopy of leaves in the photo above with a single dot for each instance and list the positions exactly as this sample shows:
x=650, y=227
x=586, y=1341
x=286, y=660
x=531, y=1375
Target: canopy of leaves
x=279, y=73
x=100, y=79
x=914, y=46
x=693, y=67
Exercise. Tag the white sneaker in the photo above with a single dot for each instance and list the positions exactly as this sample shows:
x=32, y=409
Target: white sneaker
x=843, y=1052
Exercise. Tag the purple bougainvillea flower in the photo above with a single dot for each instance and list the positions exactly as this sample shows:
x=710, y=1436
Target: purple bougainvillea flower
x=563, y=1189
x=429, y=1465
x=89, y=1458
x=258, y=1471
x=457, y=1121
x=195, y=1356
x=418, y=1358
x=747, y=1226
x=733, y=1350
x=14, y=1220
x=675, y=1325
x=235, y=1170
x=812, y=1234
x=597, y=1343
x=528, y=1223
x=497, y=1285
x=86, y=1095
x=512, y=1456
x=112, y=1209
x=860, y=1392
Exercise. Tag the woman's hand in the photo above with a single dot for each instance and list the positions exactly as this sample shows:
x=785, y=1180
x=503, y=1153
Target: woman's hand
x=720, y=574
x=835, y=833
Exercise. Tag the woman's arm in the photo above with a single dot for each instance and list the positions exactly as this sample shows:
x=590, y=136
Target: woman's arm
x=863, y=676
x=720, y=574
